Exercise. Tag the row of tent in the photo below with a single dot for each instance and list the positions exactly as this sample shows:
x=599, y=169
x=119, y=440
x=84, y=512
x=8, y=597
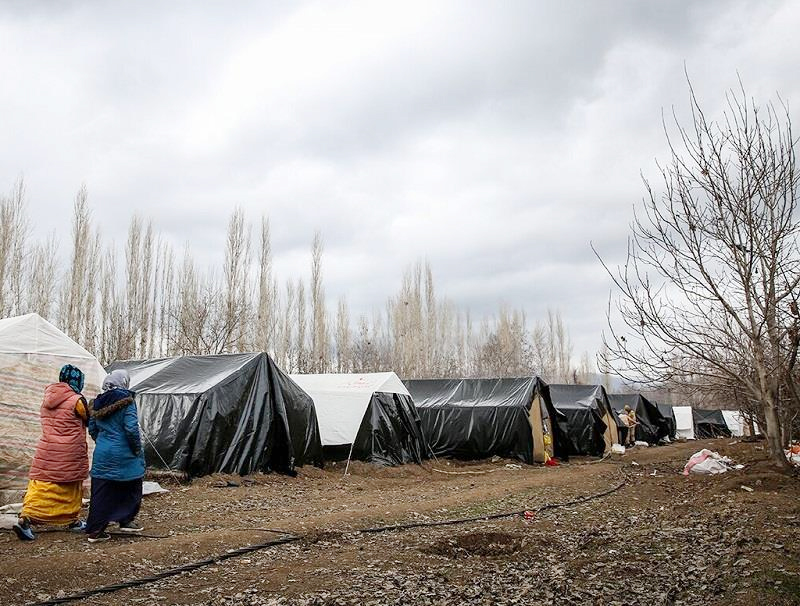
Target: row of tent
x=239, y=413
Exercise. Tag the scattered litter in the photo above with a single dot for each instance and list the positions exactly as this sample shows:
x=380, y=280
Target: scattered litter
x=513, y=466
x=11, y=508
x=641, y=443
x=707, y=462
x=7, y=520
x=747, y=488
x=635, y=463
x=495, y=459
x=617, y=449
x=529, y=515
x=654, y=473
x=793, y=454
x=152, y=488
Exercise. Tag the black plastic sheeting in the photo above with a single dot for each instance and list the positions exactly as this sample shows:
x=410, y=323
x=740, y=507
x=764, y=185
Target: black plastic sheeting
x=390, y=432
x=668, y=414
x=709, y=424
x=652, y=426
x=231, y=413
x=584, y=406
x=479, y=418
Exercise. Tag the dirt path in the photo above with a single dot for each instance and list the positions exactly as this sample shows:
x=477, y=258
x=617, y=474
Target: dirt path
x=662, y=539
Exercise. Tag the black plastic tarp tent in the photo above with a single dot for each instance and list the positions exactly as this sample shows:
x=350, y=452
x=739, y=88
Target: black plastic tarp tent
x=232, y=413
x=367, y=417
x=592, y=426
x=710, y=424
x=651, y=425
x=480, y=418
x=668, y=414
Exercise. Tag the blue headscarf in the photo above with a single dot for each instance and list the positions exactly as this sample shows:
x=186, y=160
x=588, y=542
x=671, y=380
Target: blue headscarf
x=72, y=376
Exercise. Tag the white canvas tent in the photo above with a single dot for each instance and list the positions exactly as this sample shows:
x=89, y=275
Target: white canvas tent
x=734, y=421
x=32, y=351
x=684, y=422
x=342, y=399
x=371, y=413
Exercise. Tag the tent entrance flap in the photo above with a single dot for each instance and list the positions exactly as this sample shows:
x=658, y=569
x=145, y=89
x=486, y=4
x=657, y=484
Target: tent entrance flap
x=540, y=453
x=611, y=435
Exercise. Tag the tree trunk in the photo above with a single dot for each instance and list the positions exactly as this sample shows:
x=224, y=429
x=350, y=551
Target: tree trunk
x=773, y=431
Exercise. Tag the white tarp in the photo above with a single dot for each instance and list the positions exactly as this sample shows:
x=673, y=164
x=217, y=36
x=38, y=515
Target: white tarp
x=31, y=333
x=32, y=351
x=342, y=399
x=735, y=422
x=708, y=462
x=684, y=422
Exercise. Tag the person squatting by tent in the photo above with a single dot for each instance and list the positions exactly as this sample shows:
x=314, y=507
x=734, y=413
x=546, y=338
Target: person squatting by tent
x=61, y=461
x=118, y=462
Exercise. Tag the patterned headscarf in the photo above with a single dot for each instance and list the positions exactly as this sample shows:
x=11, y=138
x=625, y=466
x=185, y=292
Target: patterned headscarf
x=72, y=376
x=117, y=379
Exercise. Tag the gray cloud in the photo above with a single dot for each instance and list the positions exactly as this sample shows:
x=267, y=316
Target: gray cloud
x=497, y=140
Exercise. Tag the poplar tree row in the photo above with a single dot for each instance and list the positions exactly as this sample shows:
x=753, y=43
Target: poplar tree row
x=137, y=298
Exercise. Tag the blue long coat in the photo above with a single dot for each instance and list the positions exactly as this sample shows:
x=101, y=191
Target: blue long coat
x=114, y=426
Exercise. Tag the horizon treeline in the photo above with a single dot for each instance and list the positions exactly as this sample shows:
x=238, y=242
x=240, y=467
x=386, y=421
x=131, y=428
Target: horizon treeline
x=137, y=298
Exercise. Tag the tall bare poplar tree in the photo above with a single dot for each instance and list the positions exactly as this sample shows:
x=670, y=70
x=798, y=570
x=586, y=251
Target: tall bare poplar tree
x=77, y=277
x=343, y=347
x=320, y=355
x=266, y=317
x=42, y=272
x=301, y=348
x=236, y=290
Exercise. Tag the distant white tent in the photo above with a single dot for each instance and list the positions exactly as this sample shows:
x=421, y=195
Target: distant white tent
x=735, y=422
x=371, y=413
x=32, y=351
x=684, y=422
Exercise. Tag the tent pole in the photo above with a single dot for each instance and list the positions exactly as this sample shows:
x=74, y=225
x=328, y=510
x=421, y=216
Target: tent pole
x=349, y=455
x=153, y=446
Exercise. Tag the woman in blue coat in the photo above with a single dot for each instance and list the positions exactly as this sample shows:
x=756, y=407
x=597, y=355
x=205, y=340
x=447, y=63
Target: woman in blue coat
x=118, y=461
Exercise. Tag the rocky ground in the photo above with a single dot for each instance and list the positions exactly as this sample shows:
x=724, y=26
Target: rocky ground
x=659, y=539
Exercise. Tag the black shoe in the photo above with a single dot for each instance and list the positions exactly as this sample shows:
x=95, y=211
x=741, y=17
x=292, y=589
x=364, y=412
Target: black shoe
x=131, y=526
x=99, y=537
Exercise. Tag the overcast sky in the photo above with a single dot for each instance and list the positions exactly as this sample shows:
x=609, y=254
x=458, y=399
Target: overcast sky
x=494, y=138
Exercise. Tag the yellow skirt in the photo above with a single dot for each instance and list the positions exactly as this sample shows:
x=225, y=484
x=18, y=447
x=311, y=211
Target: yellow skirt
x=51, y=503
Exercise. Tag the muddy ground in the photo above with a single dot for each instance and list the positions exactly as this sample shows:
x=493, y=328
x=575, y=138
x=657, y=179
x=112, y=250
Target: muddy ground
x=659, y=539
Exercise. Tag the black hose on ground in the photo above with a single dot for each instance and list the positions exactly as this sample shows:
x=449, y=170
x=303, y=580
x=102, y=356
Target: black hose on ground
x=165, y=574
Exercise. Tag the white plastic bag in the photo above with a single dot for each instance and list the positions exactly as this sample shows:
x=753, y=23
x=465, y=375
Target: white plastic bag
x=707, y=462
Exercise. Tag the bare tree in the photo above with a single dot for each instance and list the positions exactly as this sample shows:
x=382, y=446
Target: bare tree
x=300, y=347
x=365, y=357
x=266, y=317
x=133, y=296
x=111, y=330
x=13, y=249
x=320, y=355
x=708, y=293
x=287, y=356
x=42, y=272
x=77, y=278
x=343, y=345
x=166, y=324
x=237, y=290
